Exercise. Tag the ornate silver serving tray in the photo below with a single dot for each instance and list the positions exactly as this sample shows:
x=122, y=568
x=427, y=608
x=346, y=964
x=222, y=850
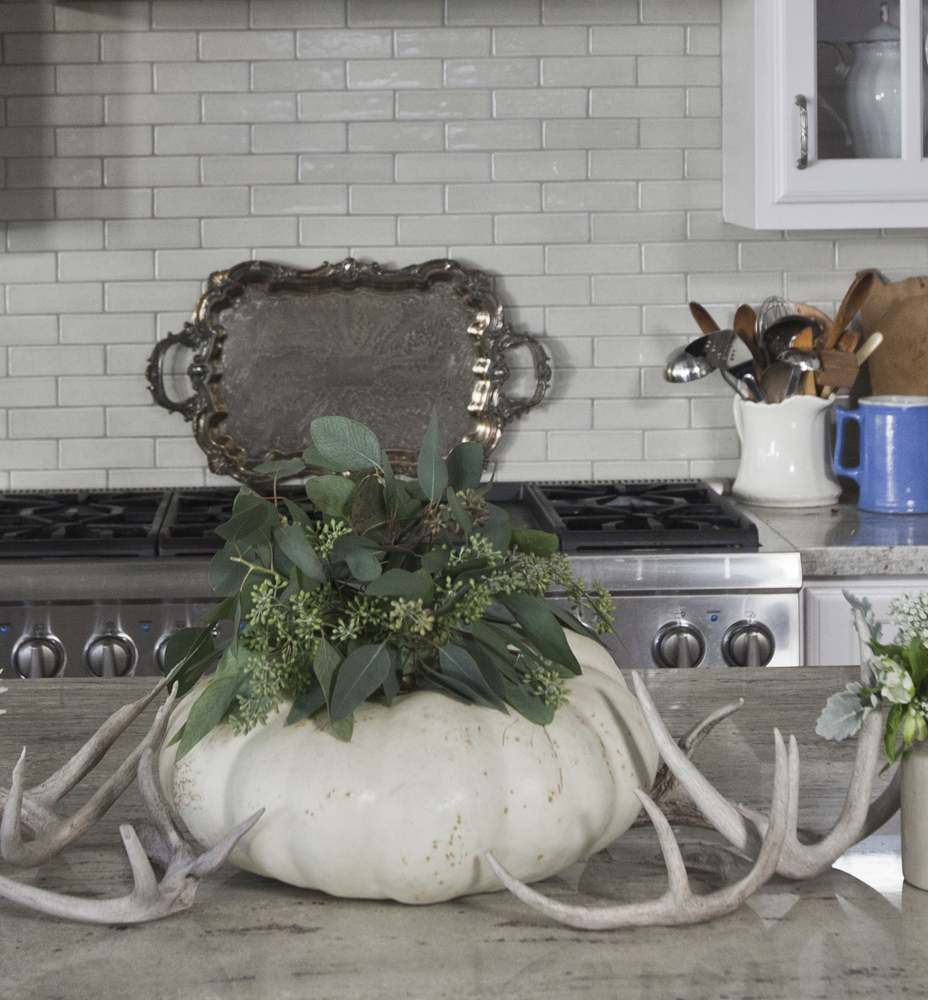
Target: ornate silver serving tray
x=274, y=348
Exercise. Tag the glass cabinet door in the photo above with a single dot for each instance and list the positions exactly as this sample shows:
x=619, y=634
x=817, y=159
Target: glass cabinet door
x=850, y=102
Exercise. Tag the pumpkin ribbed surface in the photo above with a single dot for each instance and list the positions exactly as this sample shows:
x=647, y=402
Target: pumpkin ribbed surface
x=409, y=807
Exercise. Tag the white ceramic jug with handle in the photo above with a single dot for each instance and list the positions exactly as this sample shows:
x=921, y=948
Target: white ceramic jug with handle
x=785, y=453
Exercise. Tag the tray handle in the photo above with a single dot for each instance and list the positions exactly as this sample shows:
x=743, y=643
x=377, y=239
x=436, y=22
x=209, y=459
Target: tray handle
x=190, y=336
x=509, y=407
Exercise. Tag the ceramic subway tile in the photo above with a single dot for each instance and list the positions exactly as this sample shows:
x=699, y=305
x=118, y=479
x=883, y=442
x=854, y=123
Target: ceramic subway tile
x=25, y=204
x=625, y=350
x=590, y=196
x=111, y=453
x=101, y=265
x=28, y=392
x=659, y=195
x=593, y=321
x=682, y=444
x=28, y=79
x=150, y=171
x=179, y=452
x=886, y=253
x=56, y=360
x=378, y=230
x=734, y=288
x=143, y=421
x=26, y=267
x=443, y=104
x=28, y=330
x=638, y=40
x=643, y=414
x=175, y=202
x=111, y=140
x=590, y=12
x=300, y=199
x=151, y=46
x=789, y=255
x=252, y=232
x=179, y=140
x=325, y=137
x=588, y=71
x=492, y=12
x=152, y=109
x=152, y=234
x=424, y=43
x=63, y=110
x=109, y=203
x=126, y=359
x=549, y=289
x=173, y=265
x=541, y=41
x=593, y=259
x=593, y=444
x=394, y=74
x=57, y=422
x=677, y=133
x=339, y=107
x=125, y=16
x=560, y=228
x=159, y=478
x=84, y=479
x=640, y=289
x=500, y=260
x=27, y=142
x=113, y=78
x=703, y=164
x=566, y=102
x=459, y=167
x=598, y=133
x=247, y=45
x=346, y=168
x=107, y=329
x=689, y=257
x=634, y=164
x=445, y=229
x=82, y=235
x=631, y=227
x=317, y=74
x=347, y=44
x=28, y=454
x=564, y=165
x=298, y=14
x=29, y=49
x=637, y=102
x=493, y=136
x=374, y=13
x=496, y=197
x=476, y=72
x=248, y=108
x=214, y=77
x=696, y=11
x=396, y=137
x=27, y=17
x=179, y=14
x=89, y=390
x=392, y=199
x=704, y=102
x=249, y=169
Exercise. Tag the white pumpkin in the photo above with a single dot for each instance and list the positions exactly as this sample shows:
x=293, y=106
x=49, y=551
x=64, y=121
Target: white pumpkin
x=409, y=807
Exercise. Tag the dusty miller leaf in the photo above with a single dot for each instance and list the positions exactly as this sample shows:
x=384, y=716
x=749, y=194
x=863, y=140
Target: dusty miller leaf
x=843, y=714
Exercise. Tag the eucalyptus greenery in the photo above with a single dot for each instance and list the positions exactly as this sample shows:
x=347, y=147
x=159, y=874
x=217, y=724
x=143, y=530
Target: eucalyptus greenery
x=387, y=586
x=898, y=677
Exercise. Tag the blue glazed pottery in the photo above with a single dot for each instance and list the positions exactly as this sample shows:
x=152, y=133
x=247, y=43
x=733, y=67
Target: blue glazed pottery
x=893, y=468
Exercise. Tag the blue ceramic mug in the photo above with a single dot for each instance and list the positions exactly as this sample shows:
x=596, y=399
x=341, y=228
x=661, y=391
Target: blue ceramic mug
x=893, y=468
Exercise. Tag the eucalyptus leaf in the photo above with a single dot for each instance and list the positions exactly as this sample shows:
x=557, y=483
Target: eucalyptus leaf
x=249, y=521
x=573, y=623
x=498, y=533
x=213, y=704
x=435, y=560
x=389, y=480
x=465, y=466
x=344, y=728
x=541, y=627
x=333, y=495
x=297, y=514
x=306, y=704
x=292, y=541
x=843, y=714
x=346, y=442
x=432, y=475
x=368, y=510
x=457, y=664
x=527, y=704
x=359, y=676
x=225, y=575
x=361, y=556
x=326, y=662
x=391, y=684
x=536, y=543
x=401, y=583
x=314, y=457
x=459, y=513
x=281, y=468
x=225, y=609
x=192, y=650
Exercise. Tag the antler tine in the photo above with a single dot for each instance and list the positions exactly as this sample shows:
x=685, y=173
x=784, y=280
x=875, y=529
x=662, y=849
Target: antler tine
x=720, y=813
x=859, y=817
x=28, y=854
x=678, y=905
x=689, y=742
x=91, y=753
x=149, y=899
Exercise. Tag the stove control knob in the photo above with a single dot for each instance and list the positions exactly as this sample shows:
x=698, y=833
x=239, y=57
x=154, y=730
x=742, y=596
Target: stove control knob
x=110, y=655
x=678, y=644
x=38, y=656
x=748, y=644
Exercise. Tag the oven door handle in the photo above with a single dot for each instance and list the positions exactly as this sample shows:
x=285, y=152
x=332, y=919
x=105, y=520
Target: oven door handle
x=192, y=337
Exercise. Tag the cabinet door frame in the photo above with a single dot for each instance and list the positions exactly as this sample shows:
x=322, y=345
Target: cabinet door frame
x=769, y=57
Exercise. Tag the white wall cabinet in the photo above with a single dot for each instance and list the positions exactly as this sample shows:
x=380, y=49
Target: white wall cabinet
x=829, y=635
x=789, y=168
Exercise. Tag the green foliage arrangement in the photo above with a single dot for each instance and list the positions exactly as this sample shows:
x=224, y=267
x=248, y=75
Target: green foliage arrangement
x=392, y=586
x=898, y=680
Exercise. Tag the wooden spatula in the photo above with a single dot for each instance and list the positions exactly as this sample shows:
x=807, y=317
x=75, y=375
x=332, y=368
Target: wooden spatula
x=703, y=320
x=855, y=297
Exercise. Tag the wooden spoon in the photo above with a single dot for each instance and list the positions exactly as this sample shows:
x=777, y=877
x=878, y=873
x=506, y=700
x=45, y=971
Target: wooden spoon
x=847, y=344
x=853, y=300
x=703, y=320
x=745, y=326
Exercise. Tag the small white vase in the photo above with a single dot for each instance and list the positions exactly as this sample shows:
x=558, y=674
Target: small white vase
x=914, y=816
x=785, y=453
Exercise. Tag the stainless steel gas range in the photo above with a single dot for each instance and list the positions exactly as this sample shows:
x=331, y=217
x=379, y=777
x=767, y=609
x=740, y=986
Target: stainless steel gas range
x=94, y=583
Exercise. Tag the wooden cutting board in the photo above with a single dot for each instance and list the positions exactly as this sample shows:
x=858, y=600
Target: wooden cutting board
x=899, y=310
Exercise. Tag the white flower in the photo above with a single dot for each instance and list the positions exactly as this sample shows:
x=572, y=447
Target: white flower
x=897, y=685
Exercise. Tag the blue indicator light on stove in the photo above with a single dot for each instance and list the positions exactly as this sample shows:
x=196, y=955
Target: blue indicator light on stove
x=4, y=629
x=713, y=618
x=146, y=628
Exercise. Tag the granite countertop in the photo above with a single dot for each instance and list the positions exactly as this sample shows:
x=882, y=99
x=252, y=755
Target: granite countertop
x=841, y=540
x=853, y=932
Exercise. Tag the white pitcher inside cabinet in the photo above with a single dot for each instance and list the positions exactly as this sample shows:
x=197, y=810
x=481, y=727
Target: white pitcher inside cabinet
x=824, y=114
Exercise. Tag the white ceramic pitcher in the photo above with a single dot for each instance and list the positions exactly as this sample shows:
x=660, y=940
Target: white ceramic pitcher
x=785, y=453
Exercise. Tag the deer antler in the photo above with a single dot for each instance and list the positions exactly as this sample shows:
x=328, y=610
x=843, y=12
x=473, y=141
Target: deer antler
x=33, y=809
x=678, y=905
x=742, y=827
x=149, y=899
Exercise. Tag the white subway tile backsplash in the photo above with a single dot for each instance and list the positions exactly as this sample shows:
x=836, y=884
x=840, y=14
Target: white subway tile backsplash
x=570, y=147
